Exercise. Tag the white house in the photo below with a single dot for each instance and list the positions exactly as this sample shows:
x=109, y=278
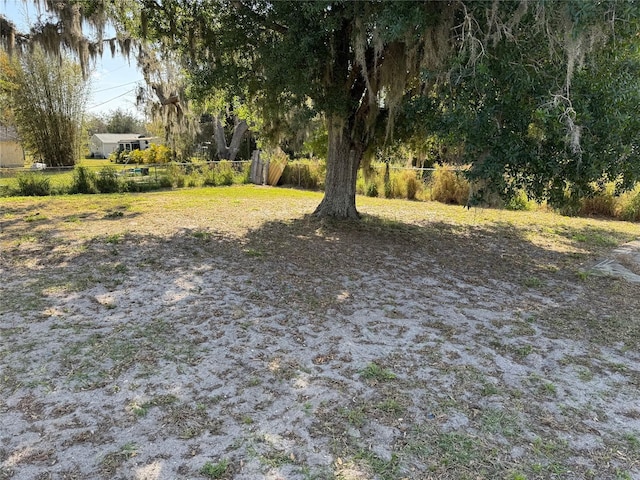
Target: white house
x=140, y=143
x=11, y=152
x=102, y=145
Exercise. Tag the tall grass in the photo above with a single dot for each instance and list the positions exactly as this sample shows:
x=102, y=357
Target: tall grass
x=391, y=182
x=608, y=204
x=307, y=174
x=630, y=206
x=449, y=186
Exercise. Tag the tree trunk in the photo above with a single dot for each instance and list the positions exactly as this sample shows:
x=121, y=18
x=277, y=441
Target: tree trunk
x=220, y=139
x=239, y=129
x=343, y=161
x=224, y=151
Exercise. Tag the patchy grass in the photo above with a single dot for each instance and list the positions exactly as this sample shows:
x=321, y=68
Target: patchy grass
x=215, y=470
x=376, y=373
x=222, y=333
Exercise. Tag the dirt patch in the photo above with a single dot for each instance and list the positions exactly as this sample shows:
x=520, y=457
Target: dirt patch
x=256, y=342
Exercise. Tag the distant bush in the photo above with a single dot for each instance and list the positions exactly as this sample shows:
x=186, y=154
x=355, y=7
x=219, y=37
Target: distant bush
x=449, y=186
x=164, y=182
x=412, y=186
x=371, y=189
x=243, y=174
x=307, y=174
x=604, y=203
x=107, y=180
x=224, y=173
x=390, y=186
x=84, y=181
x=154, y=154
x=137, y=156
x=630, y=206
x=194, y=179
x=175, y=175
x=210, y=178
x=157, y=154
x=33, y=185
x=608, y=204
x=519, y=201
x=367, y=180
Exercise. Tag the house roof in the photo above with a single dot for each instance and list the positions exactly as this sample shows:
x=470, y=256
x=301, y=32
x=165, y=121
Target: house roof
x=116, y=137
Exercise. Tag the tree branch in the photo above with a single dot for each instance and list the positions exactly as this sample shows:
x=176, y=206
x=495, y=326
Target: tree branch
x=268, y=24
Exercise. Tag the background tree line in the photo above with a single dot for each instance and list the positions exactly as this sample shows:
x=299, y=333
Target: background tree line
x=535, y=96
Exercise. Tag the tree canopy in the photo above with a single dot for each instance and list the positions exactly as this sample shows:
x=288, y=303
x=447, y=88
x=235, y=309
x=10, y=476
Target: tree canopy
x=512, y=80
x=555, y=117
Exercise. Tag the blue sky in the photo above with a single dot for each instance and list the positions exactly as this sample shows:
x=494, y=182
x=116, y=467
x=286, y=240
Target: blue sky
x=113, y=80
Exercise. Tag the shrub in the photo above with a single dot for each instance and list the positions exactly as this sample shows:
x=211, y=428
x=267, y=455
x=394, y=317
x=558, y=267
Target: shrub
x=243, y=174
x=194, y=179
x=630, y=206
x=210, y=178
x=107, y=180
x=449, y=186
x=133, y=186
x=136, y=156
x=388, y=185
x=412, y=186
x=157, y=154
x=519, y=202
x=396, y=183
x=396, y=187
x=224, y=173
x=119, y=156
x=33, y=185
x=175, y=174
x=604, y=203
x=84, y=181
x=569, y=206
x=371, y=189
x=164, y=182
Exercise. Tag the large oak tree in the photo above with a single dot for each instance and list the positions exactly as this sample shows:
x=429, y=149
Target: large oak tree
x=358, y=62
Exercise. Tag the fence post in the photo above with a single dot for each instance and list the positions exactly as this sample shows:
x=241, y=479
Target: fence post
x=259, y=170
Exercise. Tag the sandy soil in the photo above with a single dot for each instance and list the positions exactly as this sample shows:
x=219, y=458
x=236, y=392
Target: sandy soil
x=146, y=346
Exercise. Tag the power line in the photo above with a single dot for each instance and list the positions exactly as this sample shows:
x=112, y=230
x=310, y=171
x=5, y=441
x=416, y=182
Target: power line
x=111, y=99
x=117, y=86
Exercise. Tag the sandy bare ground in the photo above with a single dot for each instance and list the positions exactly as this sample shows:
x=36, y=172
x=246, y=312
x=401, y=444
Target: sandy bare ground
x=164, y=337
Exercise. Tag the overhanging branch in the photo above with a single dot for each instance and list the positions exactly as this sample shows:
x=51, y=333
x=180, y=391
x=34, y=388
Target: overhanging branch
x=244, y=9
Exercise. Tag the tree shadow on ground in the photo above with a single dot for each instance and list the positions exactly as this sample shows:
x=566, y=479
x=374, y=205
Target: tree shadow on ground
x=312, y=264
x=492, y=249
x=497, y=256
